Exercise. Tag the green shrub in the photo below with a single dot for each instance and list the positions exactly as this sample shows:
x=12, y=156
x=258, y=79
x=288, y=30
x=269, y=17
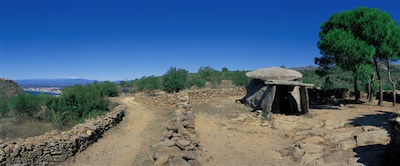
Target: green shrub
x=107, y=88
x=150, y=83
x=194, y=80
x=211, y=75
x=4, y=107
x=25, y=105
x=239, y=78
x=79, y=102
x=175, y=80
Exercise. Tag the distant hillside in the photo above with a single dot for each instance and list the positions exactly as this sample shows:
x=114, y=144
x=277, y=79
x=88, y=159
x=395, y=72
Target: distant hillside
x=63, y=82
x=9, y=88
x=304, y=68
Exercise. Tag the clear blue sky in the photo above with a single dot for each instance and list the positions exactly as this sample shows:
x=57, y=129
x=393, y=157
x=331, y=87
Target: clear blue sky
x=119, y=39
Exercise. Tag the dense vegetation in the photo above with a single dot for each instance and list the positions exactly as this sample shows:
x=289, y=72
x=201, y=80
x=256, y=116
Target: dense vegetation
x=175, y=80
x=75, y=104
x=359, y=41
x=338, y=78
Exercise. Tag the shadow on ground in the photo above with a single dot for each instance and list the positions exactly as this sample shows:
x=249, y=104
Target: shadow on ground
x=380, y=119
x=372, y=155
x=375, y=154
x=328, y=104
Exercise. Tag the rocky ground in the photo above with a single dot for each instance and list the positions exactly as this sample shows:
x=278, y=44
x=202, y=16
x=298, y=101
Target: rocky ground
x=230, y=134
x=347, y=135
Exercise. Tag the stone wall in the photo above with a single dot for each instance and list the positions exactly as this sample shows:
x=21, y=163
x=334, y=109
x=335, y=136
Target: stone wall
x=195, y=95
x=54, y=147
x=180, y=144
x=394, y=145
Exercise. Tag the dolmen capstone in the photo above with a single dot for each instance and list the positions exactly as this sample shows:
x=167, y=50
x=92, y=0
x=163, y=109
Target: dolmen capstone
x=276, y=90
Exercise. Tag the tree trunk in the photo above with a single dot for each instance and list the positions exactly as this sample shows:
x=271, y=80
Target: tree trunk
x=356, y=91
x=391, y=82
x=370, y=91
x=380, y=82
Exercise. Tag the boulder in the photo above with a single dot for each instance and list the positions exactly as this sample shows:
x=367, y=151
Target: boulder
x=274, y=73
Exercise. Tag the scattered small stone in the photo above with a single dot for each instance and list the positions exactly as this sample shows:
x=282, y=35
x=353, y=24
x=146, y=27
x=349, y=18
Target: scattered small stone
x=161, y=160
x=275, y=155
x=265, y=124
x=167, y=143
x=178, y=161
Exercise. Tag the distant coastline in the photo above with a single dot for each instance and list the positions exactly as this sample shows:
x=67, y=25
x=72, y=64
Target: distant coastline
x=39, y=92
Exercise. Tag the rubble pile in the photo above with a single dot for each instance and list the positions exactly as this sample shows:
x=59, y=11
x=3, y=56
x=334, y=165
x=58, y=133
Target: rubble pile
x=180, y=144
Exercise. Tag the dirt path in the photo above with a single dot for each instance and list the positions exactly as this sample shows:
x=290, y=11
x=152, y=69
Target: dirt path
x=122, y=144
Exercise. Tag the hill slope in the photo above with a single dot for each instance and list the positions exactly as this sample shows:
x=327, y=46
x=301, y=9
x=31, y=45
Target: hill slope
x=9, y=88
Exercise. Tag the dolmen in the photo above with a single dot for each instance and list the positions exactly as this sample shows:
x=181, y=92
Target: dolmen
x=276, y=90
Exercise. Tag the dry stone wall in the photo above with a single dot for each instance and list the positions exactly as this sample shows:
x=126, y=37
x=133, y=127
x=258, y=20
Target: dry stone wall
x=195, y=95
x=180, y=144
x=54, y=147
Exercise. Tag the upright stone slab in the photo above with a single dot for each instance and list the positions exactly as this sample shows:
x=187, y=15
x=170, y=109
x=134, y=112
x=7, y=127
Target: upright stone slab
x=305, y=102
x=268, y=100
x=295, y=93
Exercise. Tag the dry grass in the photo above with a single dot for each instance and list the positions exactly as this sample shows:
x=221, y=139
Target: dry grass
x=13, y=128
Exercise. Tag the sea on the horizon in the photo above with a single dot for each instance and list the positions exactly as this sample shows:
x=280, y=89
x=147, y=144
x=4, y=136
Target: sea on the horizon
x=47, y=93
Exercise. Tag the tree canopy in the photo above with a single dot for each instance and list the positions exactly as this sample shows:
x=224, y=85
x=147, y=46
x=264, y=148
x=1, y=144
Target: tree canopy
x=355, y=40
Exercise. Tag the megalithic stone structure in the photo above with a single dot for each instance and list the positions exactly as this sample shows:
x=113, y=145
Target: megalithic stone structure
x=276, y=90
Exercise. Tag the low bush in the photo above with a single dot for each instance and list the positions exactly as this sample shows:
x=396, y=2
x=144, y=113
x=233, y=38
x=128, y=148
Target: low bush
x=3, y=107
x=78, y=103
x=150, y=83
x=175, y=80
x=238, y=78
x=25, y=105
x=195, y=80
x=214, y=77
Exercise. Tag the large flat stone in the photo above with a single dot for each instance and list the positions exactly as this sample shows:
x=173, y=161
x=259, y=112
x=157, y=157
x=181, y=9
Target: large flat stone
x=274, y=73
